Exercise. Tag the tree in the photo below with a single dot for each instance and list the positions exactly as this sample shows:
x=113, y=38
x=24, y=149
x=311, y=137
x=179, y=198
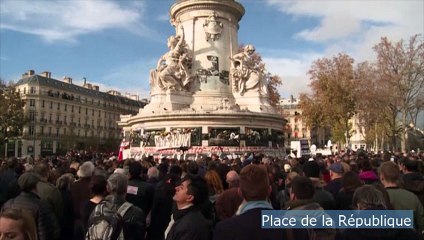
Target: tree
x=274, y=81
x=12, y=115
x=401, y=70
x=334, y=94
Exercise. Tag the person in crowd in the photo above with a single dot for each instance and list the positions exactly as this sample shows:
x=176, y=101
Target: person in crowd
x=98, y=188
x=80, y=192
x=413, y=180
x=301, y=198
x=134, y=219
x=152, y=176
x=214, y=185
x=401, y=199
x=336, y=174
x=139, y=192
x=187, y=221
x=162, y=204
x=367, y=197
x=255, y=189
x=366, y=173
x=17, y=224
x=325, y=199
x=350, y=182
x=302, y=191
x=227, y=203
x=47, y=225
x=285, y=194
x=9, y=180
x=215, y=189
x=63, y=184
x=49, y=192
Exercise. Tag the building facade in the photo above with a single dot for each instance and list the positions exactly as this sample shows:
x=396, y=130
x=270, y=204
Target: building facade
x=63, y=116
x=296, y=128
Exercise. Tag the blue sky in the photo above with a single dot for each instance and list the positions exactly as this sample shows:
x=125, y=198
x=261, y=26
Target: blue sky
x=115, y=43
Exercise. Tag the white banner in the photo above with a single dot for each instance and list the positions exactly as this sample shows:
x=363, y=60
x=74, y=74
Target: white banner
x=173, y=140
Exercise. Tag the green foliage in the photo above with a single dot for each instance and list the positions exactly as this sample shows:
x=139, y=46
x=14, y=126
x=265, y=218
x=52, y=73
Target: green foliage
x=12, y=118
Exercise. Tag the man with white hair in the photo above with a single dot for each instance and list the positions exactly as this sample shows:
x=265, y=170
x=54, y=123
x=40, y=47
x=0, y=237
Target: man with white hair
x=227, y=203
x=80, y=192
x=153, y=176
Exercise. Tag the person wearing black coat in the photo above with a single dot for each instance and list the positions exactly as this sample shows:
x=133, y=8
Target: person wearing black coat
x=139, y=192
x=162, y=204
x=246, y=225
x=47, y=226
x=188, y=222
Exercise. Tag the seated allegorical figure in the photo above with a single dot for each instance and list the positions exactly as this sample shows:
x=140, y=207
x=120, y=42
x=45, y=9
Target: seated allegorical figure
x=173, y=68
x=247, y=74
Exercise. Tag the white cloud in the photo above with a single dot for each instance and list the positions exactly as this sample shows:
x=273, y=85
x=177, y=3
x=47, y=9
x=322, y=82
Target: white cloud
x=353, y=27
x=293, y=72
x=163, y=18
x=134, y=76
x=65, y=20
x=331, y=28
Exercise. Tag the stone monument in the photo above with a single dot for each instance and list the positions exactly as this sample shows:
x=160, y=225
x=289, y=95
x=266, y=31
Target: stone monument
x=206, y=97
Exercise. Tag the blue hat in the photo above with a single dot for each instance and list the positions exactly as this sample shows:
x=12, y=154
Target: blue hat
x=336, y=167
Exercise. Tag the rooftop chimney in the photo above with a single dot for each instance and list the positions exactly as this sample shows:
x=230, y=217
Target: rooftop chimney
x=29, y=73
x=46, y=74
x=67, y=79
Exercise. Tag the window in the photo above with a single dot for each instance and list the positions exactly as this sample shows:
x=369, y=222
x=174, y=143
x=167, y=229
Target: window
x=32, y=90
x=79, y=120
x=79, y=109
x=57, y=118
x=58, y=106
x=72, y=108
x=92, y=113
x=57, y=132
x=42, y=130
x=64, y=131
x=50, y=131
x=66, y=107
x=32, y=116
x=50, y=117
x=86, y=111
x=72, y=119
x=42, y=116
x=31, y=130
x=24, y=90
x=79, y=132
x=99, y=113
x=64, y=119
x=51, y=105
x=32, y=102
x=92, y=122
x=42, y=103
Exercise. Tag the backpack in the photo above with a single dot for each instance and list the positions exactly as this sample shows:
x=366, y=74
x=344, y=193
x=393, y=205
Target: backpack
x=106, y=224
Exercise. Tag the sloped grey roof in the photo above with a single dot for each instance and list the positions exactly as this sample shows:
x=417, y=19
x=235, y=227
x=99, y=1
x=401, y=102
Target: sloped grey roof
x=71, y=88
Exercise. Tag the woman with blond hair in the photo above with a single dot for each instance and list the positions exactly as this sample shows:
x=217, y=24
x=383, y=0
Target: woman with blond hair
x=17, y=224
x=215, y=186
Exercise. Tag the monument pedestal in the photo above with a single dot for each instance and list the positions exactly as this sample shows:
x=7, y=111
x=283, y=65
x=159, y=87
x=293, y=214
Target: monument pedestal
x=169, y=100
x=254, y=102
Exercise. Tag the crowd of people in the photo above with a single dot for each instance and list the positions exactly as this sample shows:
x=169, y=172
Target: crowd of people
x=210, y=198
